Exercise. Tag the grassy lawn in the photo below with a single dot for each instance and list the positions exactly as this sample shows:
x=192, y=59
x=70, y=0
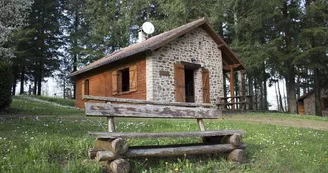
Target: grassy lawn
x=41, y=137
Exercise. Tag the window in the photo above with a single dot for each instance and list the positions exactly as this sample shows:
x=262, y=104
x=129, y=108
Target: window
x=325, y=103
x=124, y=80
x=86, y=87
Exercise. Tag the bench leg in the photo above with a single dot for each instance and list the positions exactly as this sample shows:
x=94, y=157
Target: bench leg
x=119, y=166
x=237, y=155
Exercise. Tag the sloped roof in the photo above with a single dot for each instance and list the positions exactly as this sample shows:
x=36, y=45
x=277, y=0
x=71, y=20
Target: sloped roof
x=305, y=95
x=160, y=40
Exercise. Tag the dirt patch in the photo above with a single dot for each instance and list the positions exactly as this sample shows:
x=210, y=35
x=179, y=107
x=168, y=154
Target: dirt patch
x=312, y=124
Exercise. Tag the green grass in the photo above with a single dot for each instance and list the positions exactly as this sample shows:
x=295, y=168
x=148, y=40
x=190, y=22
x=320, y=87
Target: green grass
x=24, y=105
x=61, y=101
x=57, y=141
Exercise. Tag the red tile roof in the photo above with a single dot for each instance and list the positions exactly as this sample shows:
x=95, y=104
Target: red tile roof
x=151, y=44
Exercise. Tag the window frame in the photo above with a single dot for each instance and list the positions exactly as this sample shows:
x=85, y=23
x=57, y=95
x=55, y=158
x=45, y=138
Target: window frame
x=133, y=80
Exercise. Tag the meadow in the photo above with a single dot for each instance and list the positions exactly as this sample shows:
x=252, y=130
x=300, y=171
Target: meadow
x=37, y=136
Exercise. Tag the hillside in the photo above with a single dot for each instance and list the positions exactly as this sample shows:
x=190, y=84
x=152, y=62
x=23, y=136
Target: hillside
x=41, y=136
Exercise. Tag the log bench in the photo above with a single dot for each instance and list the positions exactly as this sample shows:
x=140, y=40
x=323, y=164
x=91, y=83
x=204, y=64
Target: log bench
x=112, y=147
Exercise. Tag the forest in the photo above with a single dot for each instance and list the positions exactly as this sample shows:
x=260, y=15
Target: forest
x=276, y=39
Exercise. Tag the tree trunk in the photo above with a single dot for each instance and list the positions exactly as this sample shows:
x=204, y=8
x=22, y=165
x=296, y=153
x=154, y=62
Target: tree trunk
x=265, y=103
x=317, y=94
x=261, y=95
x=251, y=93
x=39, y=83
x=291, y=94
x=280, y=99
x=22, y=78
x=277, y=97
x=35, y=84
x=256, y=94
x=14, y=85
x=298, y=85
x=290, y=78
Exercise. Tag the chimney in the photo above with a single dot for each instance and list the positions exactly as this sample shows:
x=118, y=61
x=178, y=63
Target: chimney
x=141, y=36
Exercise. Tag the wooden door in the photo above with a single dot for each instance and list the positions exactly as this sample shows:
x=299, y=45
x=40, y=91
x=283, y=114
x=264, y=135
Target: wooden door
x=206, y=85
x=179, y=83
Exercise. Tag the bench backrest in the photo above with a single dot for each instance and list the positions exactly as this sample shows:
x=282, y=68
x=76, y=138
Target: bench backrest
x=149, y=111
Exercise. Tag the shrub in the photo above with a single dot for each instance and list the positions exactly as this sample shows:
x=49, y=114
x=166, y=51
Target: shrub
x=6, y=79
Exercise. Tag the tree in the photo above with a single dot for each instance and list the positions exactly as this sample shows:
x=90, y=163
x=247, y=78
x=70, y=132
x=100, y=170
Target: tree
x=314, y=45
x=13, y=14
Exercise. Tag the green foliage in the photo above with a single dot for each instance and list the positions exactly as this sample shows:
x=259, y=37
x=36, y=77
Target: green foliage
x=6, y=79
x=13, y=15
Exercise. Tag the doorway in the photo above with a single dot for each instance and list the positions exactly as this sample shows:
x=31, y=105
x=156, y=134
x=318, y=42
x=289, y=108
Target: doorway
x=189, y=85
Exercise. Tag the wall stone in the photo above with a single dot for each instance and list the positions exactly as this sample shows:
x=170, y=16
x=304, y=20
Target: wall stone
x=196, y=44
x=309, y=105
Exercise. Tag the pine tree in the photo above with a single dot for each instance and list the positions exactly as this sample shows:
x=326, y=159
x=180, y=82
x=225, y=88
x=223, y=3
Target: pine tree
x=315, y=45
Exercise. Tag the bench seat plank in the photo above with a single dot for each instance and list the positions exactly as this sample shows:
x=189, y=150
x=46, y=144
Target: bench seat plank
x=164, y=135
x=149, y=111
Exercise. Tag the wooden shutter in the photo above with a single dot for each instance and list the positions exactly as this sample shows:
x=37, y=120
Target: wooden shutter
x=179, y=82
x=133, y=77
x=114, y=83
x=82, y=89
x=86, y=87
x=206, y=85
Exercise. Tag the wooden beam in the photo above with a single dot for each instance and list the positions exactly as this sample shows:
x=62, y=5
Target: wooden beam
x=148, y=111
x=235, y=139
x=137, y=101
x=117, y=146
x=108, y=135
x=232, y=88
x=220, y=46
x=228, y=67
x=225, y=62
x=201, y=124
x=169, y=151
x=111, y=124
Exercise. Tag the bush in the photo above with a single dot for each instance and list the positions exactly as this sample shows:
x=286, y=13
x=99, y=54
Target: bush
x=6, y=79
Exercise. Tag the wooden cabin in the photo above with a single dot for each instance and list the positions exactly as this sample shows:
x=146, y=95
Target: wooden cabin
x=185, y=64
x=306, y=103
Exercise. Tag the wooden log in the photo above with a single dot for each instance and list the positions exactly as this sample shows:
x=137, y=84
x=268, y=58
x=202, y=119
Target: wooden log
x=117, y=146
x=201, y=124
x=108, y=135
x=120, y=166
x=235, y=139
x=110, y=124
x=168, y=151
x=148, y=111
x=151, y=102
x=92, y=152
x=105, y=156
x=237, y=155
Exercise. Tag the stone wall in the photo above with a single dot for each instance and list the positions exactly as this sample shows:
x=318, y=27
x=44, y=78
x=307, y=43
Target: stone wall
x=196, y=44
x=309, y=105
